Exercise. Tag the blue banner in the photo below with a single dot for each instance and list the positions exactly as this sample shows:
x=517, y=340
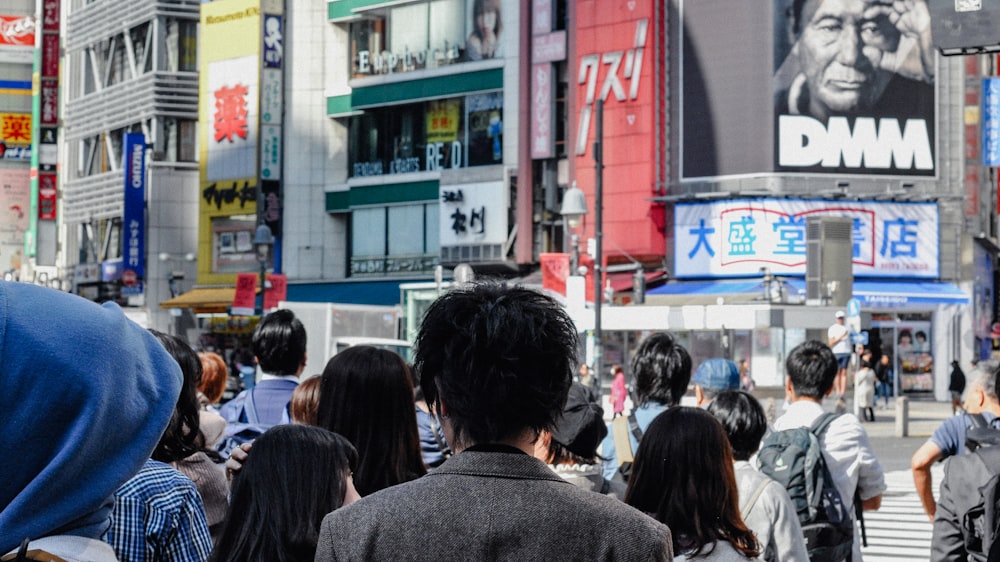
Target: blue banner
x=991, y=122
x=134, y=223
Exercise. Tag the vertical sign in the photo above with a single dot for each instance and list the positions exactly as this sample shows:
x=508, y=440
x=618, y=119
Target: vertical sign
x=134, y=219
x=546, y=47
x=991, y=122
x=44, y=122
x=971, y=116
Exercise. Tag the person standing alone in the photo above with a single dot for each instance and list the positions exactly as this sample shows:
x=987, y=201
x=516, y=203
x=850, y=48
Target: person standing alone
x=838, y=338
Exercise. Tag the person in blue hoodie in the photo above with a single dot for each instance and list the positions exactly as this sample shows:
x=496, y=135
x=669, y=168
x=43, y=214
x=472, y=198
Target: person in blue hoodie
x=85, y=395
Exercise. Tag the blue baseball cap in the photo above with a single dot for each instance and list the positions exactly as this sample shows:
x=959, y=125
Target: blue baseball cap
x=717, y=374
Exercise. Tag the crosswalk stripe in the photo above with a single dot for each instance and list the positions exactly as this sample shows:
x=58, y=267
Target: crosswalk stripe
x=899, y=530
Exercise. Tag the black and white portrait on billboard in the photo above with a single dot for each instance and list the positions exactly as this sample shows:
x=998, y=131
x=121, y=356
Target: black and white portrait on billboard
x=854, y=86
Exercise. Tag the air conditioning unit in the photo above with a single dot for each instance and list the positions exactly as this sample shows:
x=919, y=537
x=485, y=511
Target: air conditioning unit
x=829, y=252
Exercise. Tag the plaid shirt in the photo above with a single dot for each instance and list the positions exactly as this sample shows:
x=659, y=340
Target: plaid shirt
x=159, y=516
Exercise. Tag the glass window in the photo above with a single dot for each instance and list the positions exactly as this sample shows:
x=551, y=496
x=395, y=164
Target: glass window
x=407, y=224
x=447, y=33
x=232, y=244
x=367, y=44
x=368, y=232
x=408, y=34
x=432, y=212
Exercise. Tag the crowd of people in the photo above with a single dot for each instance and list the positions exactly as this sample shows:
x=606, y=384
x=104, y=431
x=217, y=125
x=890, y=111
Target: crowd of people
x=490, y=445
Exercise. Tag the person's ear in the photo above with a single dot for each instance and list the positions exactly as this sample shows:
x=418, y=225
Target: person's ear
x=699, y=395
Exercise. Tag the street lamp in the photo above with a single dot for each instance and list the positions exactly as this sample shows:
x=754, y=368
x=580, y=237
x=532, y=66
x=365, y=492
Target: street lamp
x=574, y=207
x=263, y=241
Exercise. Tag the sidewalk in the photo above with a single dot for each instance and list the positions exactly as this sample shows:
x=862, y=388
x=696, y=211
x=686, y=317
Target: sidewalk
x=925, y=414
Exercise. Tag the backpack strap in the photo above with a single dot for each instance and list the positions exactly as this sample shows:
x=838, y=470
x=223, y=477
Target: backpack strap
x=633, y=425
x=745, y=510
x=977, y=420
x=250, y=409
x=818, y=428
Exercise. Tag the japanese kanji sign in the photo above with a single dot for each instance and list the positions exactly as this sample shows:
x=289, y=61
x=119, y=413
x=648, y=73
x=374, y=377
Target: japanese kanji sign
x=738, y=237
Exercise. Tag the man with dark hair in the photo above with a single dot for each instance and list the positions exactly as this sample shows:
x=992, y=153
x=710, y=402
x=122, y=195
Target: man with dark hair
x=764, y=504
x=279, y=344
x=495, y=363
x=662, y=371
x=810, y=370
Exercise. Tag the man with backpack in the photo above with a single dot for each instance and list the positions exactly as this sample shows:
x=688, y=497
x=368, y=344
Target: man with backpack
x=662, y=371
x=949, y=438
x=965, y=520
x=844, y=466
x=279, y=344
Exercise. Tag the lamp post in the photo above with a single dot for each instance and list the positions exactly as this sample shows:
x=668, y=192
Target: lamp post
x=263, y=241
x=574, y=206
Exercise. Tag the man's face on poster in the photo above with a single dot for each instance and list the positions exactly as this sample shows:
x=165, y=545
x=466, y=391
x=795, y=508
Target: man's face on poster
x=840, y=49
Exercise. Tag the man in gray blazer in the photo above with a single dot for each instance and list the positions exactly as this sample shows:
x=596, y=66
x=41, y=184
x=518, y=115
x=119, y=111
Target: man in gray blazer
x=495, y=363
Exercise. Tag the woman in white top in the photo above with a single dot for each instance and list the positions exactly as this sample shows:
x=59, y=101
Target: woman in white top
x=683, y=476
x=864, y=391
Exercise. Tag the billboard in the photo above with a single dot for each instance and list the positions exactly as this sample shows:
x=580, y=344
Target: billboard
x=17, y=38
x=232, y=39
x=15, y=206
x=737, y=238
x=839, y=88
x=615, y=60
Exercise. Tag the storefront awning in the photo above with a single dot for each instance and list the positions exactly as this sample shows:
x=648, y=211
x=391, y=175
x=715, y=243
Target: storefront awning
x=889, y=294
x=871, y=293
x=207, y=299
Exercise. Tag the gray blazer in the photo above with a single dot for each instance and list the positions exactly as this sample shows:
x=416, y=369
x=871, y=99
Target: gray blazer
x=491, y=506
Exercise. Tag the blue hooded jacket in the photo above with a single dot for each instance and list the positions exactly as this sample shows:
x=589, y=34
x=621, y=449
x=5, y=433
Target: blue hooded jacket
x=85, y=394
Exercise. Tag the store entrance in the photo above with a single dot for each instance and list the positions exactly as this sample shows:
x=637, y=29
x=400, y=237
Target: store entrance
x=907, y=340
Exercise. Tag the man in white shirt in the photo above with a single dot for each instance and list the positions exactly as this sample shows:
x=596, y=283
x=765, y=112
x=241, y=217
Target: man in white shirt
x=811, y=368
x=838, y=338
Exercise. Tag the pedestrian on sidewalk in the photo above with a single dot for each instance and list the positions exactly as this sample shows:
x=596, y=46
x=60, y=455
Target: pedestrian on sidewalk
x=956, y=385
x=618, y=390
x=864, y=392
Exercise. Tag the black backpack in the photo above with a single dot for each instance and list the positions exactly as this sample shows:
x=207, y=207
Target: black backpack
x=981, y=523
x=794, y=459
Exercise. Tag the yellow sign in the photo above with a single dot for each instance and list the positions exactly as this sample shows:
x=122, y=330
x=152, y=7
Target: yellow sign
x=15, y=129
x=442, y=120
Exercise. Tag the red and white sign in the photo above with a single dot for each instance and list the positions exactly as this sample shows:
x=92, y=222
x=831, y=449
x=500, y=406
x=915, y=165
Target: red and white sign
x=245, y=298
x=129, y=278
x=276, y=291
x=614, y=55
x=17, y=31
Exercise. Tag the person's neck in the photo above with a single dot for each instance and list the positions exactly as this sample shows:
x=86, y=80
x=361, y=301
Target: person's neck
x=524, y=442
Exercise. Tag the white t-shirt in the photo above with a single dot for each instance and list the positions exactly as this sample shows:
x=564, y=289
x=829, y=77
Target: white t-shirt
x=835, y=331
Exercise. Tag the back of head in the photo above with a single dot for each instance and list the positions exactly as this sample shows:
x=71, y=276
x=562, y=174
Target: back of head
x=662, y=370
x=366, y=395
x=811, y=367
x=279, y=342
x=500, y=358
x=107, y=389
x=214, y=373
x=304, y=406
x=744, y=420
x=985, y=376
x=717, y=375
x=182, y=437
x=579, y=430
x=683, y=474
x=292, y=478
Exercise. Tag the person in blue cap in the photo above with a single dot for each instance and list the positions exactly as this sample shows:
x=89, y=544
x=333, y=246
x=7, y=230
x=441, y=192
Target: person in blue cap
x=713, y=377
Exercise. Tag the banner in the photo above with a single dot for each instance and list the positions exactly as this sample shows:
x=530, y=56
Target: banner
x=276, y=291
x=739, y=237
x=134, y=215
x=245, y=298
